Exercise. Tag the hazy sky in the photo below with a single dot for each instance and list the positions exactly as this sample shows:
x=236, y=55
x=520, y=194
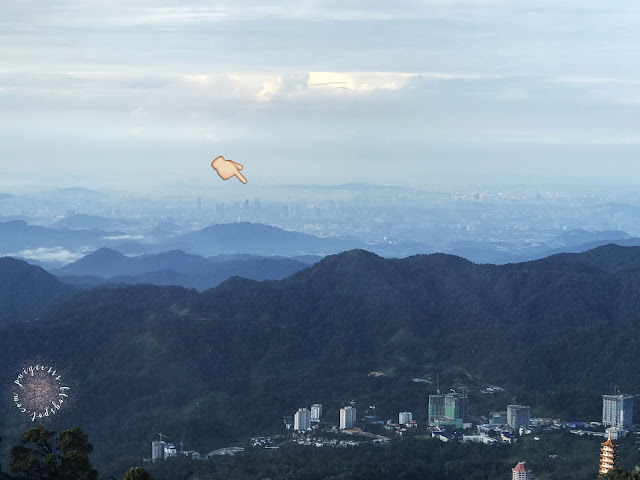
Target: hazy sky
x=147, y=92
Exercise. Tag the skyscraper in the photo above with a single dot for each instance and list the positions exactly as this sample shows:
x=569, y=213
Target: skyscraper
x=302, y=420
x=520, y=472
x=453, y=406
x=436, y=407
x=316, y=412
x=157, y=450
x=445, y=410
x=617, y=411
x=518, y=416
x=347, y=417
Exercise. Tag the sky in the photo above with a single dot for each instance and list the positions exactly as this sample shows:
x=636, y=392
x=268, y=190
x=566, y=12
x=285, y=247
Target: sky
x=146, y=93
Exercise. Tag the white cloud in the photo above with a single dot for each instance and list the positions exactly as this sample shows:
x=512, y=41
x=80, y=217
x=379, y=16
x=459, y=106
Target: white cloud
x=269, y=89
x=52, y=255
x=359, y=82
x=123, y=237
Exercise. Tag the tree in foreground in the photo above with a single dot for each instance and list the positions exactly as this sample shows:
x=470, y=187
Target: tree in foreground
x=620, y=474
x=38, y=459
x=137, y=473
x=3, y=476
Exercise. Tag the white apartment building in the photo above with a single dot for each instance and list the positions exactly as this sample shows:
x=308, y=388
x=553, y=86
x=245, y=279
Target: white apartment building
x=404, y=418
x=347, y=417
x=302, y=420
x=316, y=412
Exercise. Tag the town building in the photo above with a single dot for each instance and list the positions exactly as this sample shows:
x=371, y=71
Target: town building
x=347, y=417
x=316, y=412
x=615, y=433
x=453, y=406
x=170, y=450
x=518, y=416
x=608, y=456
x=157, y=450
x=404, y=418
x=498, y=418
x=445, y=410
x=436, y=407
x=520, y=472
x=617, y=411
x=302, y=420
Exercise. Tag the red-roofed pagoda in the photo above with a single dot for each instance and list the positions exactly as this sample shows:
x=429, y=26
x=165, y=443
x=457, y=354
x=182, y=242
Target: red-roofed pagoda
x=608, y=460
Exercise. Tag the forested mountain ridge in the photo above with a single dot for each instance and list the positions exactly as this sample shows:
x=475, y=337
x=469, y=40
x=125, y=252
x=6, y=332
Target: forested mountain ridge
x=555, y=332
x=26, y=290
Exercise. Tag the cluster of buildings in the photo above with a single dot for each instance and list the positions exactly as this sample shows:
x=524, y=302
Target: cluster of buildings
x=304, y=417
x=517, y=418
x=448, y=410
x=161, y=450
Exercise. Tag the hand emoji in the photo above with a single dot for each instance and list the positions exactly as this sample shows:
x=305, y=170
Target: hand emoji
x=227, y=169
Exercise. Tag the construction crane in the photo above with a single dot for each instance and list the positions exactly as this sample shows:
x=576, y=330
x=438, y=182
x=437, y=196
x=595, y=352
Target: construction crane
x=163, y=436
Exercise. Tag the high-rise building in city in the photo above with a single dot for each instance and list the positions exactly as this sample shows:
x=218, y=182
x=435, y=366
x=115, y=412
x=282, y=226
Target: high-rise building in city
x=436, y=407
x=347, y=417
x=608, y=456
x=617, y=411
x=446, y=409
x=520, y=472
x=453, y=406
x=302, y=420
x=518, y=416
x=404, y=418
x=316, y=412
x=157, y=450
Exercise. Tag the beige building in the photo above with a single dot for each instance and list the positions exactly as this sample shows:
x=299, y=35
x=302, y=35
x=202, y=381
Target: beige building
x=520, y=472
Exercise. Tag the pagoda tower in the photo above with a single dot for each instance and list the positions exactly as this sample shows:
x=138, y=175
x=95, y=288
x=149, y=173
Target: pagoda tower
x=608, y=460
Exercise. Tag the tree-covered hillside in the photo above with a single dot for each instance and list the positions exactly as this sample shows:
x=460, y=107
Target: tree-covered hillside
x=556, y=333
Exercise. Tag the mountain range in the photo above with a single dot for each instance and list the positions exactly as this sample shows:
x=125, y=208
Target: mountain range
x=92, y=222
x=257, y=239
x=26, y=291
x=74, y=236
x=555, y=333
x=175, y=268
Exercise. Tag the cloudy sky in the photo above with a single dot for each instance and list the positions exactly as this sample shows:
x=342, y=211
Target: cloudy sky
x=147, y=92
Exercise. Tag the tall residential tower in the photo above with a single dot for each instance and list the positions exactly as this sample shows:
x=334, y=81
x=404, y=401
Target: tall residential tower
x=347, y=418
x=617, y=411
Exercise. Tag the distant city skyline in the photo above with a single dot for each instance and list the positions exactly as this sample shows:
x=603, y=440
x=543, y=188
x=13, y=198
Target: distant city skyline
x=144, y=96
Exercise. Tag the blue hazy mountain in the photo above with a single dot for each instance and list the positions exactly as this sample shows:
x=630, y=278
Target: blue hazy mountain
x=573, y=241
x=174, y=268
x=257, y=239
x=574, y=238
x=264, y=240
x=88, y=222
x=17, y=235
x=79, y=192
